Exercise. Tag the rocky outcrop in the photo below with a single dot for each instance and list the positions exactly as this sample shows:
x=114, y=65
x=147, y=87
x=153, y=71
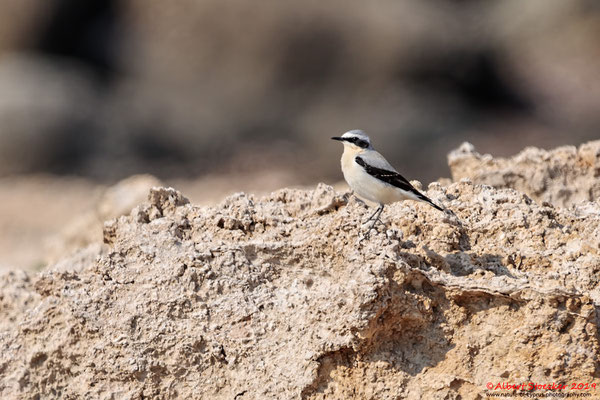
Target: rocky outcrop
x=85, y=231
x=283, y=297
x=564, y=176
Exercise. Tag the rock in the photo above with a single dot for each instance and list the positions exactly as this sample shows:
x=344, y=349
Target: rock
x=278, y=297
x=121, y=198
x=564, y=176
x=16, y=296
x=85, y=231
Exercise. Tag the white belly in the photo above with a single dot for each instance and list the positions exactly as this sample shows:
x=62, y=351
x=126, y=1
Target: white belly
x=370, y=188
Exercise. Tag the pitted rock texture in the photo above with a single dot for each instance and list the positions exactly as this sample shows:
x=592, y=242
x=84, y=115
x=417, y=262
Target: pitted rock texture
x=17, y=295
x=564, y=176
x=283, y=297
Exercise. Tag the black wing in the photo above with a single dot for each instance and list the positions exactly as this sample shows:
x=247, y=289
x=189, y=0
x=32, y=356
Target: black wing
x=394, y=179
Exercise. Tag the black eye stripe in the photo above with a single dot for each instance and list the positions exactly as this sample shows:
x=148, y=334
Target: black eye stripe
x=359, y=142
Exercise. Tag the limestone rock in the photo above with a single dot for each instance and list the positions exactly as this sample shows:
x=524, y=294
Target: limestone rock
x=85, y=231
x=281, y=297
x=17, y=295
x=564, y=176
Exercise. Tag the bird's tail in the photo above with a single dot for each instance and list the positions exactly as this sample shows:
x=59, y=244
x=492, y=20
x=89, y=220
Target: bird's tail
x=427, y=200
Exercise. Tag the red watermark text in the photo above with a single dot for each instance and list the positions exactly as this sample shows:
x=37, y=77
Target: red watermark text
x=531, y=386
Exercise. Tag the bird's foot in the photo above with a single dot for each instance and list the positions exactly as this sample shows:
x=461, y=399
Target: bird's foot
x=374, y=223
x=373, y=226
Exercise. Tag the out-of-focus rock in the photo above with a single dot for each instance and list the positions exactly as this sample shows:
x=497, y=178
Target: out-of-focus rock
x=46, y=110
x=86, y=230
x=252, y=85
x=121, y=198
x=36, y=207
x=564, y=176
x=16, y=21
x=279, y=297
x=550, y=50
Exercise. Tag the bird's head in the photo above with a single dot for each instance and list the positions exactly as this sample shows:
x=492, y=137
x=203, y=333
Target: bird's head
x=355, y=139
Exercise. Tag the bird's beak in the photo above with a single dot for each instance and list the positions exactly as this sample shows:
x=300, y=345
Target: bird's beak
x=337, y=138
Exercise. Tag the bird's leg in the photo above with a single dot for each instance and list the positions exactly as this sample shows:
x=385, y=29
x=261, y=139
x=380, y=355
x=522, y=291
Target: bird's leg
x=375, y=218
x=372, y=215
x=379, y=217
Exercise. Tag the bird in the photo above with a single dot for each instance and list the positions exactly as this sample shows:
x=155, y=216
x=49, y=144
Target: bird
x=372, y=177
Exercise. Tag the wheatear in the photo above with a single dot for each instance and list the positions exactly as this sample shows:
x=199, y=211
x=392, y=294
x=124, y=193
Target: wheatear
x=371, y=177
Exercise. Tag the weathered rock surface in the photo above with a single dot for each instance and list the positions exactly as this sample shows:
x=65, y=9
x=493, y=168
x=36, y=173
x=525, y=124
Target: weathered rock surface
x=86, y=231
x=17, y=295
x=563, y=176
x=280, y=298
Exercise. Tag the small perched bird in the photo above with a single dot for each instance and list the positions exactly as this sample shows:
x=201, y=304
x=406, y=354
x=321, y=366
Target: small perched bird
x=373, y=178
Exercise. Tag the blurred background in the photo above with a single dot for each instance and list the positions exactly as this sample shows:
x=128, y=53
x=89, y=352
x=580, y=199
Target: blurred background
x=219, y=96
